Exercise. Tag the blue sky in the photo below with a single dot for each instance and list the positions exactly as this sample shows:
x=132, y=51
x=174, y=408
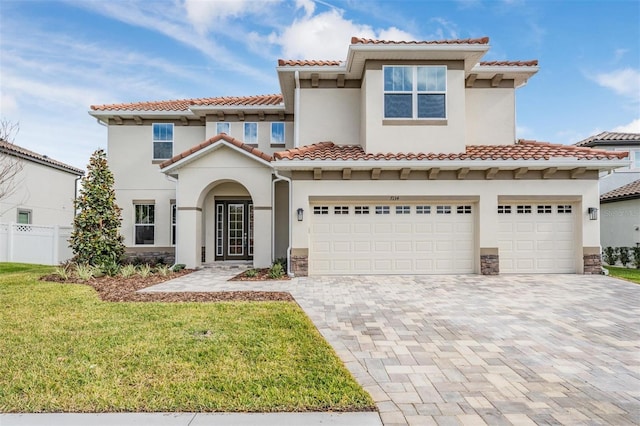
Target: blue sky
x=59, y=57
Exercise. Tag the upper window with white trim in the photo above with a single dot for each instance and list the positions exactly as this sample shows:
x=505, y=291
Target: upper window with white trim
x=251, y=133
x=415, y=92
x=223, y=127
x=162, y=141
x=277, y=133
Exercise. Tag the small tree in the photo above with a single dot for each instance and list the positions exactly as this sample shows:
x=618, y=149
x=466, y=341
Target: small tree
x=636, y=256
x=610, y=256
x=96, y=239
x=623, y=255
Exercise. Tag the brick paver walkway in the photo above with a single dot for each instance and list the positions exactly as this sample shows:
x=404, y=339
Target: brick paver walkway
x=473, y=350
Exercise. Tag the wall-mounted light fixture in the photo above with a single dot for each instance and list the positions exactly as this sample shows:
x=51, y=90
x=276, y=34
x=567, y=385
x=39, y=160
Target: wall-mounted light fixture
x=593, y=213
x=300, y=213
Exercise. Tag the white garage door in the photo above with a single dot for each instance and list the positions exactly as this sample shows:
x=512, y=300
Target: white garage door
x=371, y=238
x=536, y=238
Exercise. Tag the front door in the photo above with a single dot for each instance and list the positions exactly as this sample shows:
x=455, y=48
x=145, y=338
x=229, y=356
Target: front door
x=234, y=230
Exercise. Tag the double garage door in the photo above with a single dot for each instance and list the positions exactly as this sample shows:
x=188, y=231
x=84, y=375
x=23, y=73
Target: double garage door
x=437, y=238
x=379, y=238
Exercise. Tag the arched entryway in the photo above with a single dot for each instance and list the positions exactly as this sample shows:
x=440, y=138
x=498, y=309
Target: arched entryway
x=228, y=223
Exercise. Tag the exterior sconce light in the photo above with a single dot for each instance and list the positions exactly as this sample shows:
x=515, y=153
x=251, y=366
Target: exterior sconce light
x=593, y=213
x=300, y=213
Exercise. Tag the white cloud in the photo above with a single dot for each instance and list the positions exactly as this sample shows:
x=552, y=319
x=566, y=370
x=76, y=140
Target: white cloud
x=8, y=104
x=447, y=30
x=326, y=36
x=206, y=14
x=308, y=5
x=633, y=127
x=624, y=82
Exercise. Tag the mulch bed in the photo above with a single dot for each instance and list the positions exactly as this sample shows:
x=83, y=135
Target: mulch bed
x=261, y=275
x=119, y=289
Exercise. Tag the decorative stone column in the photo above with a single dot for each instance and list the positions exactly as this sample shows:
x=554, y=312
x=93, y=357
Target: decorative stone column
x=592, y=261
x=489, y=261
x=300, y=262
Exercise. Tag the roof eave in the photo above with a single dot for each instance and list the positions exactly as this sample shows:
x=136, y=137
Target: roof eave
x=601, y=165
x=139, y=113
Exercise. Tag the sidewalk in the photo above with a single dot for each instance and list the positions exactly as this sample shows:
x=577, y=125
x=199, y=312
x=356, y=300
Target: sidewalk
x=191, y=419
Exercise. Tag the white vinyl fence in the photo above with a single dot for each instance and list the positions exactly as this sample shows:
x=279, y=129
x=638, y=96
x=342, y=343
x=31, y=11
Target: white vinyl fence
x=44, y=245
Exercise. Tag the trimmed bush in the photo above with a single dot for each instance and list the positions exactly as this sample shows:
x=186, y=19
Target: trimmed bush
x=623, y=255
x=636, y=256
x=610, y=255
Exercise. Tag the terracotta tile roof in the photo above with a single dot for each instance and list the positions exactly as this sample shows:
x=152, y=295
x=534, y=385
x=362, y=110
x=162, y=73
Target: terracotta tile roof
x=531, y=63
x=222, y=136
x=15, y=150
x=307, y=63
x=611, y=138
x=185, y=104
x=523, y=150
x=629, y=191
x=483, y=40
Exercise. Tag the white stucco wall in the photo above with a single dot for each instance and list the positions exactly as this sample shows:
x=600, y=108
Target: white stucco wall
x=138, y=177
x=47, y=192
x=490, y=116
x=380, y=137
x=620, y=223
x=329, y=115
x=236, y=130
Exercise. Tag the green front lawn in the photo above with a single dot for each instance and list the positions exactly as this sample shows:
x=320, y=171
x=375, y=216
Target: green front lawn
x=64, y=350
x=632, y=275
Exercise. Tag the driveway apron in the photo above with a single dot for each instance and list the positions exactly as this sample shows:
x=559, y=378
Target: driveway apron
x=474, y=350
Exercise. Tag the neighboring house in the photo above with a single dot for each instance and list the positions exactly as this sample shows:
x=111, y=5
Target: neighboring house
x=620, y=224
x=400, y=160
x=613, y=141
x=41, y=193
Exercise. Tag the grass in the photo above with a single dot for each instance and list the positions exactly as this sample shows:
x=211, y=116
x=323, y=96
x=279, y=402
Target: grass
x=628, y=274
x=64, y=350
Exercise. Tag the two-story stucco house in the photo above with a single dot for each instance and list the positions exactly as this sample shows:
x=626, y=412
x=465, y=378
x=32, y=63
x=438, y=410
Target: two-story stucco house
x=39, y=190
x=401, y=159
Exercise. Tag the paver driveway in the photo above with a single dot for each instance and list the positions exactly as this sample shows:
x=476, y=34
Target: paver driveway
x=450, y=350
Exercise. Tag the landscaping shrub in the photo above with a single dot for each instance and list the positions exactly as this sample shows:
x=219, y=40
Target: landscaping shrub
x=179, y=267
x=85, y=272
x=144, y=271
x=128, y=271
x=623, y=255
x=636, y=256
x=610, y=255
x=251, y=273
x=163, y=270
x=276, y=271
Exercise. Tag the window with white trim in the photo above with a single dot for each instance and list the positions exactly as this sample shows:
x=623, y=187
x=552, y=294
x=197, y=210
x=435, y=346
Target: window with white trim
x=403, y=209
x=564, y=208
x=463, y=210
x=545, y=209
x=443, y=209
x=320, y=209
x=223, y=127
x=251, y=133
x=415, y=92
x=341, y=210
x=24, y=216
x=162, y=141
x=174, y=221
x=523, y=209
x=503, y=209
x=144, y=228
x=423, y=209
x=382, y=209
x=361, y=209
x=277, y=133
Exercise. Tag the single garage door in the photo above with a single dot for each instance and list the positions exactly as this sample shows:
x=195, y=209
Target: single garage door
x=378, y=238
x=537, y=238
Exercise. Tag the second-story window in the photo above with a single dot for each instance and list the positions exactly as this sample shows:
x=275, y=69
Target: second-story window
x=277, y=133
x=251, y=133
x=162, y=141
x=223, y=128
x=415, y=92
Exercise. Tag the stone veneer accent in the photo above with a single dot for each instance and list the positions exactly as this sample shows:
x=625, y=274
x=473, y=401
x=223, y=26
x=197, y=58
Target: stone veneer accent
x=151, y=256
x=489, y=264
x=300, y=265
x=592, y=264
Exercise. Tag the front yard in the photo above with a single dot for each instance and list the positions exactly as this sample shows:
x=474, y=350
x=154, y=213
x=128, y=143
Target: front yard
x=65, y=350
x=628, y=274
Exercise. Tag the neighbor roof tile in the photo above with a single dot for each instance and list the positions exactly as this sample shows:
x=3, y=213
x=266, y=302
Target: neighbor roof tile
x=185, y=104
x=610, y=138
x=15, y=150
x=631, y=190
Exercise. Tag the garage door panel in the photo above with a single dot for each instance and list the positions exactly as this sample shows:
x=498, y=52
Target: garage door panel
x=399, y=242
x=538, y=242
